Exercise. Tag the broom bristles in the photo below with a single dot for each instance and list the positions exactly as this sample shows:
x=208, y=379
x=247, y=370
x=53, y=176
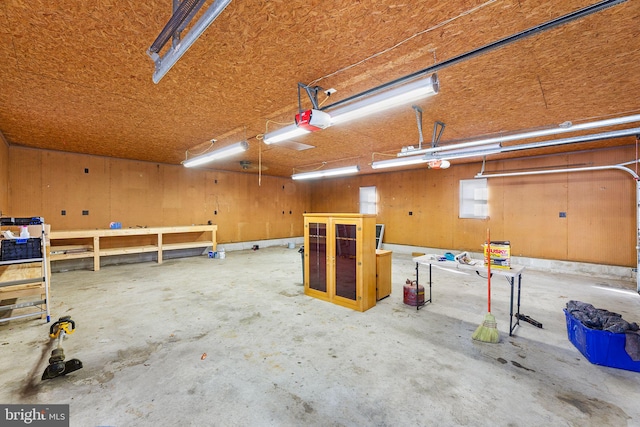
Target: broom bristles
x=488, y=331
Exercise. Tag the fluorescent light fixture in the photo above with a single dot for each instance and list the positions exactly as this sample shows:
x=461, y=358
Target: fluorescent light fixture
x=327, y=172
x=435, y=157
x=563, y=128
x=282, y=134
x=396, y=96
x=461, y=153
x=400, y=161
x=369, y=102
x=227, y=151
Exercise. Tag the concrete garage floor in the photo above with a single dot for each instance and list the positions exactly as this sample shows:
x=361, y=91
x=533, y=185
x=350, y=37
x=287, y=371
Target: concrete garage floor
x=275, y=357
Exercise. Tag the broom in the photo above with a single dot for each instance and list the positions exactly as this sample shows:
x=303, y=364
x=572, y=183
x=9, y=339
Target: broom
x=488, y=330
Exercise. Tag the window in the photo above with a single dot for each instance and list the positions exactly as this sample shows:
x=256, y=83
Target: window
x=474, y=198
x=368, y=200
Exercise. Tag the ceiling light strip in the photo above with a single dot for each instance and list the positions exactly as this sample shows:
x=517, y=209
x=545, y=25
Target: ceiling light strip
x=398, y=162
x=396, y=96
x=221, y=153
x=283, y=134
x=348, y=170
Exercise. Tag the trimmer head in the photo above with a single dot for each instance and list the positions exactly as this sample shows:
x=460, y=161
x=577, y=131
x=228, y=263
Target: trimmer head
x=58, y=369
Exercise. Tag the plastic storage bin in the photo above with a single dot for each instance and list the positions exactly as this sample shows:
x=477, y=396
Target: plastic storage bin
x=600, y=347
x=13, y=249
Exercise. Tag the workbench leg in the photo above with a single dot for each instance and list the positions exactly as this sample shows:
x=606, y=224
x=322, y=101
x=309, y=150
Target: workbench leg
x=159, y=242
x=96, y=253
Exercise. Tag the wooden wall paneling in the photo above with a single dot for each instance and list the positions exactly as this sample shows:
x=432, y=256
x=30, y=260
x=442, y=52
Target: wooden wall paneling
x=149, y=194
x=601, y=205
x=244, y=210
x=4, y=176
x=442, y=207
x=183, y=201
x=227, y=206
x=394, y=205
x=25, y=182
x=211, y=206
x=137, y=193
x=62, y=198
x=339, y=195
x=523, y=210
x=531, y=209
x=75, y=183
x=171, y=184
x=414, y=226
x=193, y=195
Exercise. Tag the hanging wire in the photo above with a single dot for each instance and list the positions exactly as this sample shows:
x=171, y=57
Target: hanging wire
x=206, y=150
x=373, y=155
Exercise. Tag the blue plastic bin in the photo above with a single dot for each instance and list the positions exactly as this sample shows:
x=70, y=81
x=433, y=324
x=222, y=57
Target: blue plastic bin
x=600, y=347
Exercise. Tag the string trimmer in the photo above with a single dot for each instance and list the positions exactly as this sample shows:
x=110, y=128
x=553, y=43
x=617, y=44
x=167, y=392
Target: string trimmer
x=57, y=365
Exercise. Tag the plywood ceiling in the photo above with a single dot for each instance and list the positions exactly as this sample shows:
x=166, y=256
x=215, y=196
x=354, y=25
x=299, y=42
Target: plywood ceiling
x=75, y=76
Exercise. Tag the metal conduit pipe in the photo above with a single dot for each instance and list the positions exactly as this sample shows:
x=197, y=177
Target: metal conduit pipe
x=544, y=132
x=574, y=139
x=621, y=166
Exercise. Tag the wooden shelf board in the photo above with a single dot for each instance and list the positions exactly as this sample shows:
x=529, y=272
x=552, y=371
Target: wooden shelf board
x=72, y=255
x=128, y=250
x=185, y=245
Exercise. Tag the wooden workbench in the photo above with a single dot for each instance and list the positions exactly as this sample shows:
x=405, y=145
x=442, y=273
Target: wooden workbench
x=76, y=244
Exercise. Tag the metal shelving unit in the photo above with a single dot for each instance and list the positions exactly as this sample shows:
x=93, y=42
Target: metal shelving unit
x=21, y=285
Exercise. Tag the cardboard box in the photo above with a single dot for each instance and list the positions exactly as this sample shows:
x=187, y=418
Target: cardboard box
x=36, y=231
x=500, y=254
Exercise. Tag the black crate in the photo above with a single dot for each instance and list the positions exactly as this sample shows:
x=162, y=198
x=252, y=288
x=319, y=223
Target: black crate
x=13, y=249
x=34, y=220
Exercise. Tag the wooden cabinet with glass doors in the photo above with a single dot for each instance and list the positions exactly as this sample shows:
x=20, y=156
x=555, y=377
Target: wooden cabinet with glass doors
x=340, y=259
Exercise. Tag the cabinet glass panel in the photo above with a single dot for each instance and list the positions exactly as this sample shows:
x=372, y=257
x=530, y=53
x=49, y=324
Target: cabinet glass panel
x=318, y=256
x=346, y=261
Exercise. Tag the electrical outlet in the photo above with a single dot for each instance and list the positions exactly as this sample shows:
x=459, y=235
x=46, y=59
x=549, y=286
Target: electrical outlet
x=563, y=214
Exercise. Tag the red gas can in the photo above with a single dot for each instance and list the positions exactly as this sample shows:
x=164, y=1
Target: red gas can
x=413, y=293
